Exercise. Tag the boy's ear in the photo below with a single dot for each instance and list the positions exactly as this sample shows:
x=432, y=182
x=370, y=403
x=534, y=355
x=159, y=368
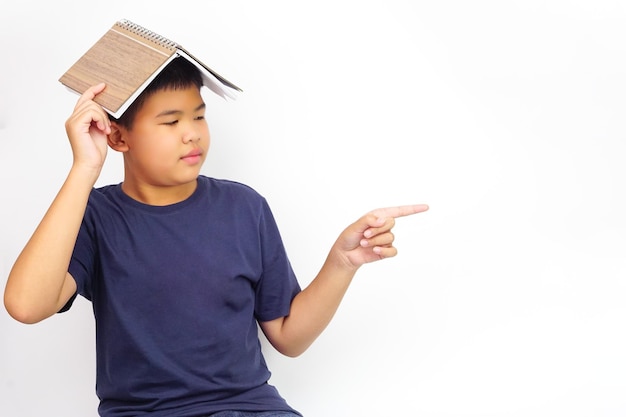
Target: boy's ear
x=115, y=139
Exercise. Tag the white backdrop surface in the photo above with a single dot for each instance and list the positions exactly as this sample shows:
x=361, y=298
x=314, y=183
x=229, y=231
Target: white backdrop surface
x=507, y=298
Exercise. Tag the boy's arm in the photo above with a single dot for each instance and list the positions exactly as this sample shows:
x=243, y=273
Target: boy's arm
x=39, y=284
x=367, y=240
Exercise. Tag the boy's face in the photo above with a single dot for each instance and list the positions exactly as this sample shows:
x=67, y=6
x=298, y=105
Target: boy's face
x=169, y=140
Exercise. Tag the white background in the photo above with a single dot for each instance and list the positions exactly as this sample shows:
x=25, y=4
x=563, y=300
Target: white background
x=507, y=298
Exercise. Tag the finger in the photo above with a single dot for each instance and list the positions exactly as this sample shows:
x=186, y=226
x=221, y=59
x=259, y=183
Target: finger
x=400, y=211
x=102, y=121
x=378, y=226
x=382, y=219
x=89, y=116
x=385, y=251
x=96, y=115
x=90, y=94
x=383, y=239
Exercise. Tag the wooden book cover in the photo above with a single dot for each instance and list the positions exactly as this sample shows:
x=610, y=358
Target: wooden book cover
x=127, y=57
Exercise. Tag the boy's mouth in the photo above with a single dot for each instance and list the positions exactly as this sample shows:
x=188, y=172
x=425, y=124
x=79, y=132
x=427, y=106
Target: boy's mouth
x=192, y=157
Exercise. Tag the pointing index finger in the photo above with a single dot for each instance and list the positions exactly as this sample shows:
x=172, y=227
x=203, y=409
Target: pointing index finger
x=400, y=211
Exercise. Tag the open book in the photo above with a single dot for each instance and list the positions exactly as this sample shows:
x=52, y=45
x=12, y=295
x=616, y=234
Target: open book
x=127, y=58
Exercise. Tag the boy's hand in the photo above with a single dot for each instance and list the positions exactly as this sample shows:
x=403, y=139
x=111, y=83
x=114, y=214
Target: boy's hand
x=87, y=129
x=370, y=239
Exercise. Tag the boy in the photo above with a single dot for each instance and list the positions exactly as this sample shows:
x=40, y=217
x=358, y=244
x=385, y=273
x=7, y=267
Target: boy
x=180, y=268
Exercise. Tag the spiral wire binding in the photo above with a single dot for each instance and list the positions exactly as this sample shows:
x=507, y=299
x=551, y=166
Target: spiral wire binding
x=147, y=34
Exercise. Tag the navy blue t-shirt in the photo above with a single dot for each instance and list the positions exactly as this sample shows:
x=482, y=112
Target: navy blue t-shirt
x=177, y=291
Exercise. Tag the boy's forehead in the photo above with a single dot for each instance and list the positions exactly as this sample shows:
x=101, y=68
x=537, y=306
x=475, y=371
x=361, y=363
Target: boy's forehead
x=180, y=99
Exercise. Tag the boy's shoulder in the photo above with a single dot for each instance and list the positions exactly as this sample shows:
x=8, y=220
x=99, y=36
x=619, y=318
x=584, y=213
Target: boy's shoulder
x=227, y=185
x=222, y=182
x=106, y=190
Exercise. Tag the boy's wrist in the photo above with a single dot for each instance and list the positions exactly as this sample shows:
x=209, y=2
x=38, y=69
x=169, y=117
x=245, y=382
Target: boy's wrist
x=86, y=173
x=340, y=263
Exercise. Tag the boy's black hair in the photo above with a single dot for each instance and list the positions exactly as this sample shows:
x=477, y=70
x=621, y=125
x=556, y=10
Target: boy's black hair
x=178, y=74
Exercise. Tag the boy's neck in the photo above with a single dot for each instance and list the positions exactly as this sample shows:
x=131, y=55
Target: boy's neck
x=159, y=195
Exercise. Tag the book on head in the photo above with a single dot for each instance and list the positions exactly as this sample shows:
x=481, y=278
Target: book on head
x=127, y=58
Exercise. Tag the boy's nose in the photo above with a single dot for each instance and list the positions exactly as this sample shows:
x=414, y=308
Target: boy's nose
x=191, y=136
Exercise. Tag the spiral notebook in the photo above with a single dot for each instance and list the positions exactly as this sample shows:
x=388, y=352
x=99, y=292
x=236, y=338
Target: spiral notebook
x=127, y=58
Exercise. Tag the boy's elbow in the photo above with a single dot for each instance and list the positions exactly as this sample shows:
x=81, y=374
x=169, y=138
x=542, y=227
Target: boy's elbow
x=293, y=353
x=20, y=311
x=291, y=350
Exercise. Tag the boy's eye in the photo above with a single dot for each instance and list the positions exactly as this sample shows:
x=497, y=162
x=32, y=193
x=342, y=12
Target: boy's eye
x=200, y=117
x=172, y=123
